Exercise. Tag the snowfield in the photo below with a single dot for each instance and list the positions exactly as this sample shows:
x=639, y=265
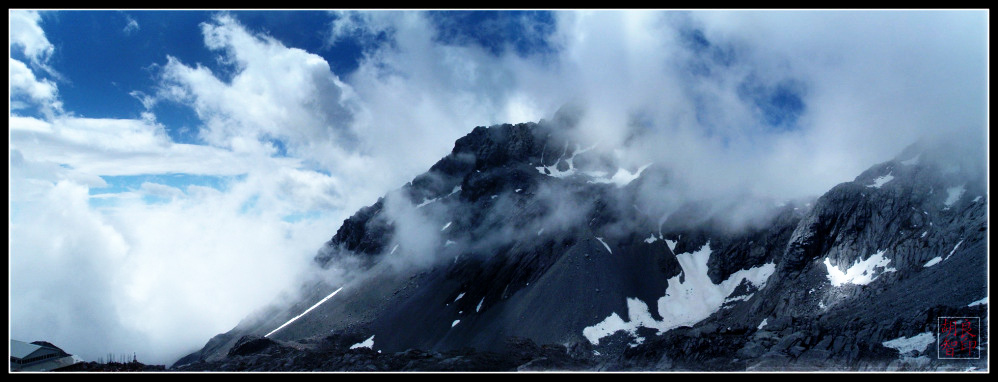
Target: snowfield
x=953, y=195
x=684, y=304
x=877, y=183
x=908, y=344
x=861, y=273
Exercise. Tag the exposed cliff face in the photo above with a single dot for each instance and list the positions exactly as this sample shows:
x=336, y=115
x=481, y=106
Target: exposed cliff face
x=521, y=233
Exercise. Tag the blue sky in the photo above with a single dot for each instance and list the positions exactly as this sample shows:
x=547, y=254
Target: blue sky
x=151, y=149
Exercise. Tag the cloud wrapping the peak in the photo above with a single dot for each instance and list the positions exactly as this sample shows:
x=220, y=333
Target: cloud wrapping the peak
x=703, y=88
x=729, y=104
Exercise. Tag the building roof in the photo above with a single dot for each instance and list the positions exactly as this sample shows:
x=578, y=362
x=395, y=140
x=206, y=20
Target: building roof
x=22, y=350
x=50, y=364
x=39, y=356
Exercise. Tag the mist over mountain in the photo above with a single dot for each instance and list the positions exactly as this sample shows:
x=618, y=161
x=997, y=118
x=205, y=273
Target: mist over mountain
x=524, y=240
x=310, y=181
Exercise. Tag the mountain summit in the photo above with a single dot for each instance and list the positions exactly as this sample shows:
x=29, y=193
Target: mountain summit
x=524, y=250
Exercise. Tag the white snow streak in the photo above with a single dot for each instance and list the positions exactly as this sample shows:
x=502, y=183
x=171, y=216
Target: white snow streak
x=979, y=302
x=604, y=244
x=763, y=324
x=954, y=249
x=425, y=202
x=739, y=298
x=305, y=312
x=428, y=201
x=934, y=261
x=882, y=180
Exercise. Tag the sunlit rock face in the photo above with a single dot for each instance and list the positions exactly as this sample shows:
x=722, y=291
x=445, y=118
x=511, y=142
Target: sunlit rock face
x=525, y=250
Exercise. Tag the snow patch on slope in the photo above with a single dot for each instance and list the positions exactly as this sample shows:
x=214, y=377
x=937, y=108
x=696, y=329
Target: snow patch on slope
x=621, y=178
x=916, y=343
x=368, y=343
x=862, y=272
x=684, y=304
x=882, y=180
x=953, y=194
x=745, y=297
x=934, y=261
x=552, y=170
x=671, y=244
x=431, y=200
x=912, y=161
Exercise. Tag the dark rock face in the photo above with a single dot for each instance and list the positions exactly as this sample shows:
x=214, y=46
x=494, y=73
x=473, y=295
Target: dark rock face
x=538, y=249
x=250, y=345
x=329, y=354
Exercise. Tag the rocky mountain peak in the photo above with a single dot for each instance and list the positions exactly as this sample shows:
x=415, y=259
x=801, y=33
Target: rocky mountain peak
x=521, y=233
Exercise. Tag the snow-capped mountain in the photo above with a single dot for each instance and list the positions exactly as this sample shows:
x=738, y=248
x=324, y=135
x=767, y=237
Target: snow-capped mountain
x=525, y=250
